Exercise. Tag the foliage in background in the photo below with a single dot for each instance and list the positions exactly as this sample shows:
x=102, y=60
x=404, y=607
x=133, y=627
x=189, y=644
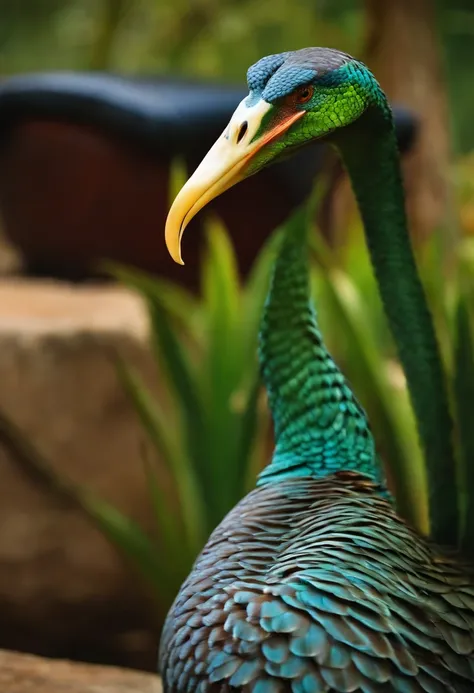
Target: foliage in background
x=210, y=38
x=209, y=438
x=212, y=372
x=211, y=434
x=356, y=333
x=358, y=336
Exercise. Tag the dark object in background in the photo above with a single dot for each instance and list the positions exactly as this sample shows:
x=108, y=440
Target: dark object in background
x=84, y=171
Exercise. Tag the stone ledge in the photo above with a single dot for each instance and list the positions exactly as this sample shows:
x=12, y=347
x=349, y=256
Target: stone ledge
x=48, y=306
x=64, y=590
x=21, y=673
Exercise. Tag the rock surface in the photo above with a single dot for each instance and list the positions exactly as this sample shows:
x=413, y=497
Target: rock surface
x=11, y=261
x=64, y=590
x=25, y=674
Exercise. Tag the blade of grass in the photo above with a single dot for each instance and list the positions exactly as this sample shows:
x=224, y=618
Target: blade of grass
x=253, y=297
x=175, y=362
x=463, y=388
x=178, y=303
x=178, y=176
x=247, y=435
x=221, y=293
x=169, y=526
x=133, y=542
x=222, y=367
x=119, y=529
x=158, y=430
x=184, y=384
x=395, y=423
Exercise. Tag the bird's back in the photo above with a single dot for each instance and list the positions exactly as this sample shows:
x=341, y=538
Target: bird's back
x=313, y=585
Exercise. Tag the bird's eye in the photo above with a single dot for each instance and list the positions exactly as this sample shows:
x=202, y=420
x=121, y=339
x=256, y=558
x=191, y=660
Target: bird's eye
x=304, y=94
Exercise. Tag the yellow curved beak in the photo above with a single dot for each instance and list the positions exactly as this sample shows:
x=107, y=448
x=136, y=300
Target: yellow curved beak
x=223, y=166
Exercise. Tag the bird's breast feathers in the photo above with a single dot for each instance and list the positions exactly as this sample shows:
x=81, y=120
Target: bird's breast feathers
x=316, y=585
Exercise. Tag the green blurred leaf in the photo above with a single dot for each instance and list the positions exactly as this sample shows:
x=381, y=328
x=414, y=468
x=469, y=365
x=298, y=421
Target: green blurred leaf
x=246, y=434
x=119, y=529
x=253, y=298
x=221, y=366
x=176, y=366
x=213, y=433
x=178, y=303
x=221, y=293
x=389, y=411
x=177, y=178
x=157, y=427
x=132, y=541
x=169, y=526
x=463, y=388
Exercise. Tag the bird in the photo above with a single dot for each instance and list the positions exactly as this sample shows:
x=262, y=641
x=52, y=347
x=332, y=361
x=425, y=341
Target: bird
x=322, y=94
x=313, y=583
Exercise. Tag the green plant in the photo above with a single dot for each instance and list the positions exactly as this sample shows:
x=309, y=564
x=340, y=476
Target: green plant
x=211, y=434
x=352, y=321
x=355, y=330
x=217, y=452
x=209, y=438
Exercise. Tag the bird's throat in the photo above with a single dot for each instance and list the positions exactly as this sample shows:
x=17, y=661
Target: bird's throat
x=320, y=428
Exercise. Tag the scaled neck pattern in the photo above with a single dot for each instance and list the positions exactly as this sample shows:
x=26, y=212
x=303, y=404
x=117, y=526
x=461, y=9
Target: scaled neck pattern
x=369, y=151
x=320, y=428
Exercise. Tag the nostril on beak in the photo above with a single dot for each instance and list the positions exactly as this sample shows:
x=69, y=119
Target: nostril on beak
x=243, y=129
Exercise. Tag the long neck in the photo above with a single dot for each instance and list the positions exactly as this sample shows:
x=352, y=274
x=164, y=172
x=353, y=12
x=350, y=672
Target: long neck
x=371, y=158
x=320, y=428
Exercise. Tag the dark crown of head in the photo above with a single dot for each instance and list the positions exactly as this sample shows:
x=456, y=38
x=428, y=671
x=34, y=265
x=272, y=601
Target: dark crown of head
x=278, y=75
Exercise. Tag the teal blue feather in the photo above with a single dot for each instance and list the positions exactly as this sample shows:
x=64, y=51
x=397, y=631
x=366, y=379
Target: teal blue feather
x=368, y=604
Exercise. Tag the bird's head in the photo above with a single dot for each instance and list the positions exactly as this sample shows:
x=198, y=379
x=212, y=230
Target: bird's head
x=294, y=98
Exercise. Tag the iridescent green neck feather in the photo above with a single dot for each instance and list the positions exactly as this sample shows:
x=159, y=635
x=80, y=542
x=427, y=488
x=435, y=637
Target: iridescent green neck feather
x=320, y=428
x=295, y=98
x=368, y=149
x=347, y=106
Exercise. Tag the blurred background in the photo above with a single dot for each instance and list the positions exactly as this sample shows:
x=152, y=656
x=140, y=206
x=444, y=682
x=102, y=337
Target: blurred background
x=132, y=415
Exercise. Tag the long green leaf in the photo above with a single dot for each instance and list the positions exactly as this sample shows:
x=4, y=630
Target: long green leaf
x=177, y=178
x=221, y=293
x=132, y=541
x=164, y=302
x=118, y=528
x=184, y=383
x=254, y=294
x=247, y=434
x=178, y=303
x=170, y=534
x=395, y=425
x=168, y=446
x=464, y=397
x=221, y=368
